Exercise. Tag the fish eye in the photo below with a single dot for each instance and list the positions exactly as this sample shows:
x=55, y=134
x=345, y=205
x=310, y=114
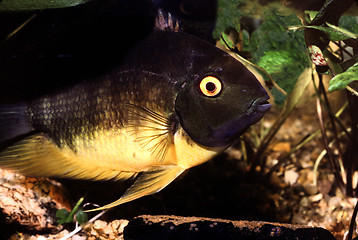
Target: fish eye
x=187, y=7
x=210, y=86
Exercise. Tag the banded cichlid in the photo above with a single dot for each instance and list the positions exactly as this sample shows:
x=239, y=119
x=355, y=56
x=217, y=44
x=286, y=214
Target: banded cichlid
x=163, y=110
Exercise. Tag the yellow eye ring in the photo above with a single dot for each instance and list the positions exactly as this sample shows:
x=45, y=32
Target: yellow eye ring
x=210, y=86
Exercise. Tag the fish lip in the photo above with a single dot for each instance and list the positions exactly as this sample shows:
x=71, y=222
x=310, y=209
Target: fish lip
x=260, y=105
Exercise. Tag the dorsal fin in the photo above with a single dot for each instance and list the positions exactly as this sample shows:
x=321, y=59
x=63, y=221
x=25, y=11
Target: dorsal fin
x=166, y=22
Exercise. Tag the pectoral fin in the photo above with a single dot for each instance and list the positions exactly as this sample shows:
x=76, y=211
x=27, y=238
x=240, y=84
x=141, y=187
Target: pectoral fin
x=147, y=183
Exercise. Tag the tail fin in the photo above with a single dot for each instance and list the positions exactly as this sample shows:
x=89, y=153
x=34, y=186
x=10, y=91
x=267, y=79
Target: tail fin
x=13, y=121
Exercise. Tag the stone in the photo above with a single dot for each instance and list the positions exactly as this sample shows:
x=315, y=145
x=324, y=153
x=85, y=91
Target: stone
x=29, y=202
x=311, y=189
x=291, y=177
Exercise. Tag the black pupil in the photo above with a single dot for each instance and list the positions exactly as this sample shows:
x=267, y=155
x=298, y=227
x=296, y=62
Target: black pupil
x=210, y=87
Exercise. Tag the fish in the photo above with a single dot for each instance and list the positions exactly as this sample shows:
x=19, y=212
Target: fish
x=161, y=111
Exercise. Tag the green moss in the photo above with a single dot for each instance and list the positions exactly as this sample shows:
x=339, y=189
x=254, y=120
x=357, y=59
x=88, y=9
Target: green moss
x=228, y=16
x=280, y=52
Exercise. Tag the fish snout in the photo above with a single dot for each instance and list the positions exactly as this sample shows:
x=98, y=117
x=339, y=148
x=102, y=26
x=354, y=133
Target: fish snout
x=259, y=106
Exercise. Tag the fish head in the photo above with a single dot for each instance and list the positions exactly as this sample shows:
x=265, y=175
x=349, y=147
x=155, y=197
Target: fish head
x=220, y=99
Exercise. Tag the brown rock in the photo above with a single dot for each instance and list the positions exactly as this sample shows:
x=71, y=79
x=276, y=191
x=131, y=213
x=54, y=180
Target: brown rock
x=27, y=202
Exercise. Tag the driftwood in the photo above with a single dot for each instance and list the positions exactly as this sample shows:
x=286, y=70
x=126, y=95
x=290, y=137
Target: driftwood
x=190, y=228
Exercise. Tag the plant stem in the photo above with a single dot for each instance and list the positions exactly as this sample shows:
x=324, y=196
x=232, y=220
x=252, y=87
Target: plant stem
x=353, y=222
x=333, y=163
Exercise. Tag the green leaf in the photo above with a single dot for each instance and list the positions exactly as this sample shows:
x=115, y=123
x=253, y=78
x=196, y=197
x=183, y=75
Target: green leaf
x=349, y=22
x=342, y=80
x=311, y=14
x=81, y=217
x=334, y=33
x=342, y=31
x=63, y=216
x=31, y=5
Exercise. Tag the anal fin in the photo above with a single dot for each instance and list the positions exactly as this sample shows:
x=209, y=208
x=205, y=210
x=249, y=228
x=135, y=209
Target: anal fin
x=147, y=183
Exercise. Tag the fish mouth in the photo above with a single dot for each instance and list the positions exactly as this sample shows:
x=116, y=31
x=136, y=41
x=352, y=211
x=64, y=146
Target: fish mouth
x=258, y=108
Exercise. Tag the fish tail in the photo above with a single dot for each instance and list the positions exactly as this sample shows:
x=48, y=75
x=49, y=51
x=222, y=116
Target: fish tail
x=13, y=121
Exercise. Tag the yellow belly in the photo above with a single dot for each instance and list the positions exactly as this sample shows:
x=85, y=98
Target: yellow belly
x=105, y=155
x=124, y=150
x=121, y=150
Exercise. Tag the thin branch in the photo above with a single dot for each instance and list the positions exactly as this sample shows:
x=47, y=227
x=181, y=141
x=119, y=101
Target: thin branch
x=79, y=228
x=21, y=26
x=342, y=48
x=352, y=90
x=332, y=119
